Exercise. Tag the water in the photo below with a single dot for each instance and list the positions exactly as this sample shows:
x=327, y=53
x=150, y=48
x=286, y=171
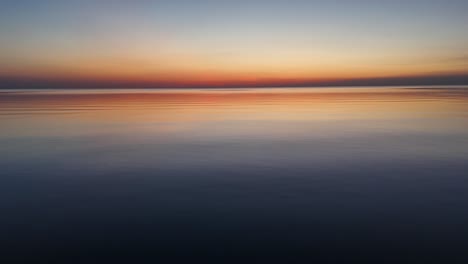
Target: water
x=234, y=174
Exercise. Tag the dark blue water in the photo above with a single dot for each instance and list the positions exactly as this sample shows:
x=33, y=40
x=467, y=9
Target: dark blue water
x=243, y=176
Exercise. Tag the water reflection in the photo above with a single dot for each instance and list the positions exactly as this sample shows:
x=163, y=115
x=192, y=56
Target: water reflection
x=252, y=172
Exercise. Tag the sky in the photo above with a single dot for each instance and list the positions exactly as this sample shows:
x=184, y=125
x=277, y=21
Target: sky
x=220, y=43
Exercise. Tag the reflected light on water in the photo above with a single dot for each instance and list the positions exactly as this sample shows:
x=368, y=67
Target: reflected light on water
x=251, y=172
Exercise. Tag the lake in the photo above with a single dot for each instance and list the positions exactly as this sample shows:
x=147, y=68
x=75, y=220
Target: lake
x=243, y=175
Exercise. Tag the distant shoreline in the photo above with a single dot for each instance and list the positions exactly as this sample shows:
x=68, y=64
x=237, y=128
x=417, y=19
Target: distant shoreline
x=424, y=87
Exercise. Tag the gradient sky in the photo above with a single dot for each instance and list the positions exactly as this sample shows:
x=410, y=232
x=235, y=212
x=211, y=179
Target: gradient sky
x=230, y=43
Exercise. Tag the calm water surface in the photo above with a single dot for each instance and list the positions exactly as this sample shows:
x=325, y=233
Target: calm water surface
x=247, y=175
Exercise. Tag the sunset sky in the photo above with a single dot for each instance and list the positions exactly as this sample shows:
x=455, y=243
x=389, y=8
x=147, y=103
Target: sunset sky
x=211, y=43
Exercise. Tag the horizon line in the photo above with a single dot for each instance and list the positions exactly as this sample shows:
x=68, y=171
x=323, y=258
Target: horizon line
x=7, y=82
